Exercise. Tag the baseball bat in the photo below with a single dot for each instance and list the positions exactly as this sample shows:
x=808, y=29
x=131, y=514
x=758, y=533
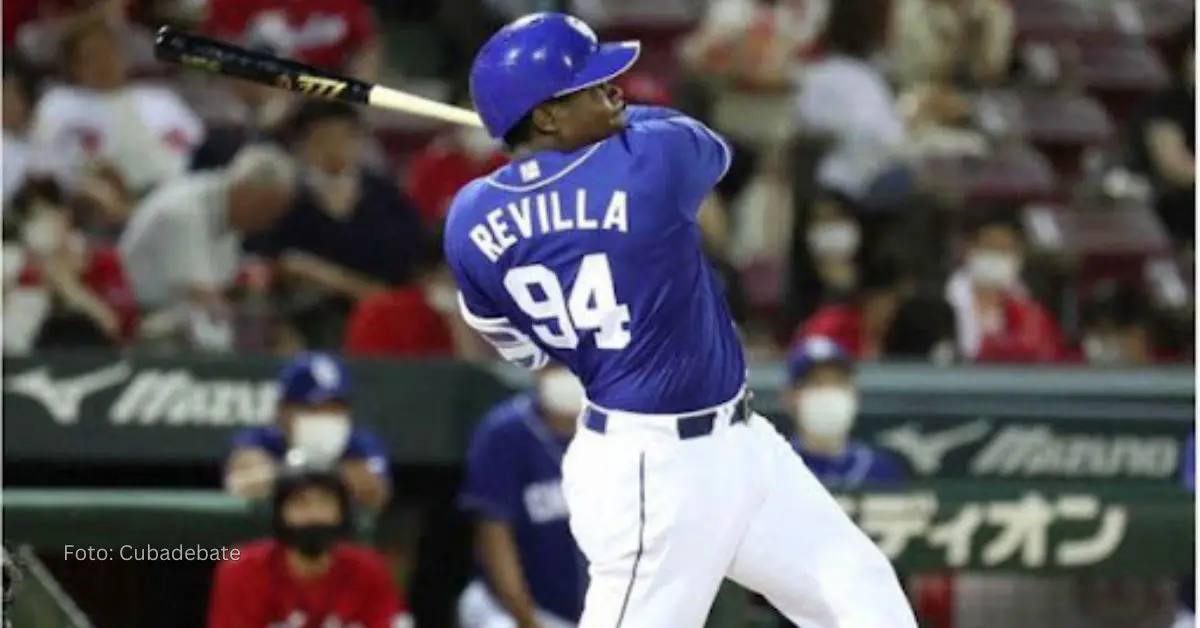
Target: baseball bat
x=211, y=55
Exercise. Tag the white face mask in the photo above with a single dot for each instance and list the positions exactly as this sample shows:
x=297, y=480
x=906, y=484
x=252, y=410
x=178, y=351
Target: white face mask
x=827, y=411
x=43, y=234
x=561, y=393
x=994, y=270
x=837, y=240
x=476, y=142
x=321, y=437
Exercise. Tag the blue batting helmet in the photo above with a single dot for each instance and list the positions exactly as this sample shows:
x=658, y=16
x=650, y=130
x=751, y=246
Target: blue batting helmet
x=537, y=58
x=314, y=378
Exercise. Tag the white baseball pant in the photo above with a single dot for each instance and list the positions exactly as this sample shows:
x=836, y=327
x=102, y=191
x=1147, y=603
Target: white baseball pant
x=477, y=608
x=663, y=520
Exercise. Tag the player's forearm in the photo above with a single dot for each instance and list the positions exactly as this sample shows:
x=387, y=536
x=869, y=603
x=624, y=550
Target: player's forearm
x=512, y=345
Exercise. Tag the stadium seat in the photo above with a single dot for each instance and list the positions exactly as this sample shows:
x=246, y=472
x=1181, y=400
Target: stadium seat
x=1062, y=125
x=1014, y=174
x=1106, y=242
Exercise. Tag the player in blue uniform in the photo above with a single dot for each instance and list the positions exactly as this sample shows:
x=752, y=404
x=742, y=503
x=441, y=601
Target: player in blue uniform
x=315, y=422
x=823, y=400
x=530, y=571
x=585, y=250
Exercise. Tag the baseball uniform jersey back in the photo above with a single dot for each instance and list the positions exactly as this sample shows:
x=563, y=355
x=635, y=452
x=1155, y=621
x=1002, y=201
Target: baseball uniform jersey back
x=588, y=252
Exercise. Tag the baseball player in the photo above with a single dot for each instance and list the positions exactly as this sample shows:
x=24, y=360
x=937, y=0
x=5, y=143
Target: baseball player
x=315, y=423
x=585, y=250
x=530, y=571
x=823, y=400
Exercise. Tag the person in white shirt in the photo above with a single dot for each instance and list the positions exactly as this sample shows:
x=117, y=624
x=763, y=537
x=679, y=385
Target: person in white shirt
x=183, y=247
x=143, y=133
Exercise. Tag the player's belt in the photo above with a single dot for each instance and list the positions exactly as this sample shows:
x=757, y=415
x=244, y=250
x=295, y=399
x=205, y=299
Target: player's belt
x=687, y=426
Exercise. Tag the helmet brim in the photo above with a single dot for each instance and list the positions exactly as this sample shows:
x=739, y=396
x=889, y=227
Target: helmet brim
x=608, y=62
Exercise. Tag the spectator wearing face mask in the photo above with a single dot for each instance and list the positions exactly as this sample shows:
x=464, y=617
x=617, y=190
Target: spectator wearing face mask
x=997, y=320
x=418, y=321
x=529, y=570
x=306, y=574
x=823, y=401
x=72, y=292
x=451, y=160
x=350, y=234
x=859, y=322
x=316, y=425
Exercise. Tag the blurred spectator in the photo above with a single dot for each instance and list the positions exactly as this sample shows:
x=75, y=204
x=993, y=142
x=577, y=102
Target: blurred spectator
x=65, y=291
x=996, y=319
x=846, y=97
x=964, y=43
x=315, y=425
x=858, y=322
x=38, y=29
x=415, y=322
x=833, y=239
x=1118, y=327
x=138, y=135
x=306, y=574
x=747, y=55
x=351, y=233
x=183, y=247
x=333, y=34
x=923, y=328
x=90, y=301
x=751, y=51
x=1163, y=145
x=20, y=92
x=530, y=572
x=822, y=399
x=451, y=160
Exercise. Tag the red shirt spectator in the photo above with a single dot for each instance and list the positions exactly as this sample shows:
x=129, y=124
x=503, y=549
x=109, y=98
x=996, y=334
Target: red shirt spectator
x=259, y=589
x=324, y=33
x=102, y=275
x=398, y=323
x=439, y=170
x=1009, y=327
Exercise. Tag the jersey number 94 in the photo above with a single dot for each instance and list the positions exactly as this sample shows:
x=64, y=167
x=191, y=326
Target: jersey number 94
x=591, y=307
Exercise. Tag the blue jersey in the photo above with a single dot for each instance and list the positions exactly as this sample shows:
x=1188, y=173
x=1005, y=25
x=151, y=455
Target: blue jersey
x=514, y=475
x=593, y=258
x=363, y=444
x=859, y=466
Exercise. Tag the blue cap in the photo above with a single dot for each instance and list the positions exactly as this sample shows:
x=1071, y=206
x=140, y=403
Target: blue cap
x=815, y=351
x=537, y=58
x=314, y=378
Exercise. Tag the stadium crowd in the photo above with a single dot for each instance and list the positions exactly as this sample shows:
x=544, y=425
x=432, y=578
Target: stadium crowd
x=971, y=180
x=952, y=181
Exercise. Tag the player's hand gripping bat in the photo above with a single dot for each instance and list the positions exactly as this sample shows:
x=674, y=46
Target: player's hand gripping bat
x=210, y=55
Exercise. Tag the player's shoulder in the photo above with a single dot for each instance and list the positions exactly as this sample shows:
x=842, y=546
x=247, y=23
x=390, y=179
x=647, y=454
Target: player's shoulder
x=466, y=210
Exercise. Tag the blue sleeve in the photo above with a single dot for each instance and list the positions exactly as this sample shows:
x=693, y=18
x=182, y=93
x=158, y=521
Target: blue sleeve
x=268, y=439
x=492, y=487
x=681, y=150
x=886, y=470
x=366, y=445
